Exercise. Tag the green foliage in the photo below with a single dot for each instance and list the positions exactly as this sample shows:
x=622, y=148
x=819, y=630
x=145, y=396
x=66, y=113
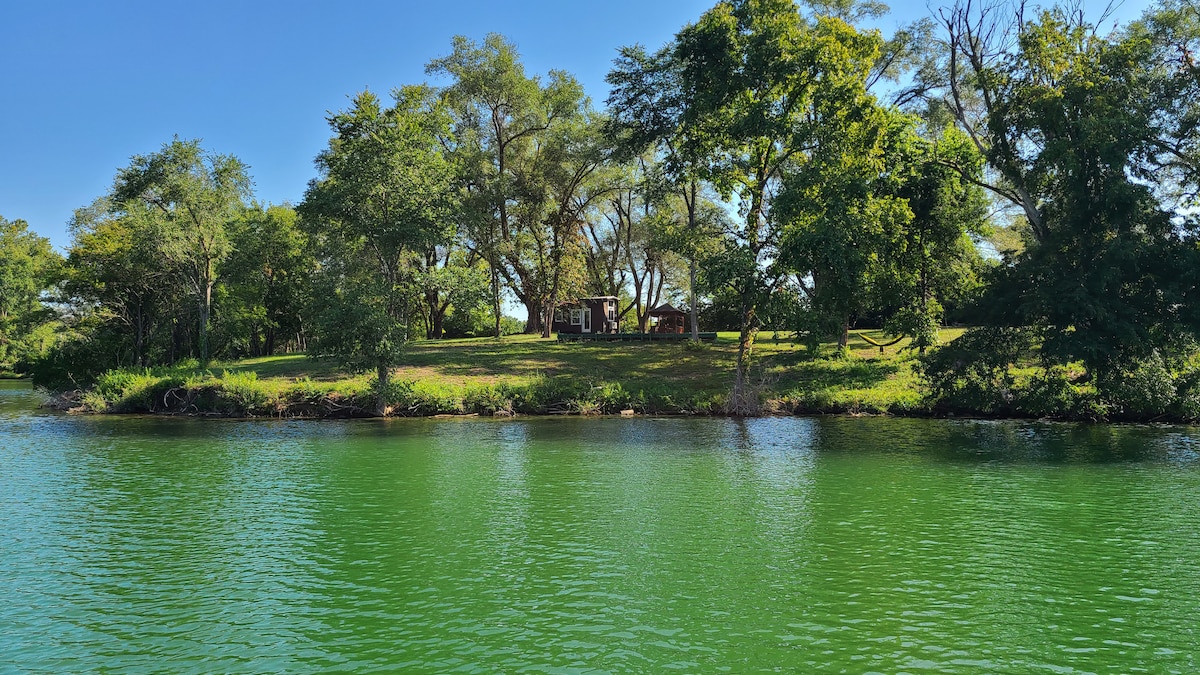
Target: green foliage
x=1140, y=390
x=28, y=269
x=478, y=322
x=975, y=372
x=1051, y=393
x=1077, y=130
x=385, y=194
x=528, y=149
x=260, y=302
x=187, y=198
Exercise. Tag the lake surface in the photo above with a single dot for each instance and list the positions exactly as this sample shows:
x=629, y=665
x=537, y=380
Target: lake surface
x=139, y=545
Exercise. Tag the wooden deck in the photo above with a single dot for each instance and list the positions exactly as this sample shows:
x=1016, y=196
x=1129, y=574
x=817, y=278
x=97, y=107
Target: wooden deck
x=633, y=337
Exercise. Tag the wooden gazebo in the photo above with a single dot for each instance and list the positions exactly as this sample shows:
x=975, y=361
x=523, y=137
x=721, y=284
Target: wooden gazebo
x=667, y=319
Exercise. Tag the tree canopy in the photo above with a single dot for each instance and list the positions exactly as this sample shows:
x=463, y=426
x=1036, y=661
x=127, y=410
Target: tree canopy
x=774, y=164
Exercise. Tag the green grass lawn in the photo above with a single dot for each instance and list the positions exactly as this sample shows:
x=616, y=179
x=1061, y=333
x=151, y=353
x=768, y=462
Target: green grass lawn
x=527, y=373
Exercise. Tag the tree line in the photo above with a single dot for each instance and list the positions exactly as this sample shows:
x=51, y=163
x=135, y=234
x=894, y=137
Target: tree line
x=774, y=165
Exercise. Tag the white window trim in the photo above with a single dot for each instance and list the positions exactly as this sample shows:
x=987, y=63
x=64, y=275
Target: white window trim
x=577, y=317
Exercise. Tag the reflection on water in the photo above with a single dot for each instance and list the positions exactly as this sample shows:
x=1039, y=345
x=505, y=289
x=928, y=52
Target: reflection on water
x=612, y=545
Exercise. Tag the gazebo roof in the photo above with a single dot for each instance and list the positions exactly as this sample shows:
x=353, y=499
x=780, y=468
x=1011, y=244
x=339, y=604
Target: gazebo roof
x=665, y=309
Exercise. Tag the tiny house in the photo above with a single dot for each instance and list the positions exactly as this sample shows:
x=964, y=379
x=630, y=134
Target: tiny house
x=587, y=315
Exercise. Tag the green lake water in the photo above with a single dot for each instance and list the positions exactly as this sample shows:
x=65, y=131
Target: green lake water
x=147, y=545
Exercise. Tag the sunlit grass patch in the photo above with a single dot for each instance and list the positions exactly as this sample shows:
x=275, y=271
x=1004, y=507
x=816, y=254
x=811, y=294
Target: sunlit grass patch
x=526, y=374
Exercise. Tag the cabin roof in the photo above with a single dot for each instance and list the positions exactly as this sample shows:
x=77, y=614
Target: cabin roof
x=578, y=301
x=666, y=308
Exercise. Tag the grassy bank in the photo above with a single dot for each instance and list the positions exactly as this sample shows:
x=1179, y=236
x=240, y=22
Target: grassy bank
x=527, y=375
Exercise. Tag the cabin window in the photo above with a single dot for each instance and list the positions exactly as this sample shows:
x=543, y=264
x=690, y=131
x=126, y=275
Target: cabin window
x=612, y=311
x=560, y=316
x=577, y=317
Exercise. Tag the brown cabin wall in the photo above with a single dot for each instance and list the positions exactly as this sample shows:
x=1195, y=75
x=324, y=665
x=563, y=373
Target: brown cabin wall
x=599, y=316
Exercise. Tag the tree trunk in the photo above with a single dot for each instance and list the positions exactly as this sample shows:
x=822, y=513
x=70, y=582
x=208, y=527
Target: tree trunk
x=548, y=319
x=439, y=320
x=693, y=313
x=205, y=308
x=495, y=295
x=383, y=372
x=925, y=295
x=844, y=335
x=532, y=317
x=743, y=401
x=139, y=340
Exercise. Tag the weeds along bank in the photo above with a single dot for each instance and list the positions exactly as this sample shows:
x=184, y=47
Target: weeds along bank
x=518, y=375
x=529, y=377
x=244, y=395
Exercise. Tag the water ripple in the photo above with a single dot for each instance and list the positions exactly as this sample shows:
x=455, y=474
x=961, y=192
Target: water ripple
x=595, y=546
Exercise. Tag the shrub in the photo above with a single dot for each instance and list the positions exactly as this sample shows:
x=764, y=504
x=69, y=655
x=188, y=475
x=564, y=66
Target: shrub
x=487, y=400
x=1145, y=390
x=1048, y=394
x=246, y=394
x=1187, y=395
x=975, y=371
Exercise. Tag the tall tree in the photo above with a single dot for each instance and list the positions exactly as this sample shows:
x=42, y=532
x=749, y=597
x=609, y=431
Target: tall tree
x=935, y=260
x=570, y=158
x=503, y=118
x=192, y=196
x=115, y=266
x=647, y=104
x=752, y=71
x=28, y=267
x=839, y=211
x=267, y=280
x=385, y=194
x=1072, y=126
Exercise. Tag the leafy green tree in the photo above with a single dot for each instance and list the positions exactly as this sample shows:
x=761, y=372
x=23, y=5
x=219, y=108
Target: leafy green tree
x=572, y=183
x=266, y=283
x=1071, y=122
x=117, y=276
x=504, y=120
x=28, y=269
x=651, y=237
x=191, y=196
x=386, y=192
x=465, y=296
x=647, y=105
x=753, y=72
x=1171, y=29
x=840, y=212
x=935, y=260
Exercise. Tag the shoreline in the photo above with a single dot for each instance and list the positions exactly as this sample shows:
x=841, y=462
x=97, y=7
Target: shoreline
x=527, y=376
x=68, y=403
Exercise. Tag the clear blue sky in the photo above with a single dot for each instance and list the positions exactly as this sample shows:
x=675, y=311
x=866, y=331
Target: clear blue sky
x=86, y=85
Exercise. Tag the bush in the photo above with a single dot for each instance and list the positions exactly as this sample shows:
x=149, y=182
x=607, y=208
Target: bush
x=479, y=322
x=246, y=394
x=974, y=372
x=1145, y=390
x=1187, y=395
x=128, y=391
x=488, y=400
x=1052, y=394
